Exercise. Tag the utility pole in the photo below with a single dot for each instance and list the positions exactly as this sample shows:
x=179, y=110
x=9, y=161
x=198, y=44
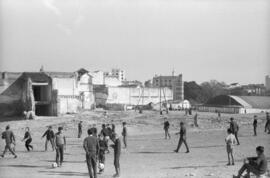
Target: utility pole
x=160, y=111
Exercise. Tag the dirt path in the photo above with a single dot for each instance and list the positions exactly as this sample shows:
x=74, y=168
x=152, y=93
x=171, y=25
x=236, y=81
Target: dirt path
x=149, y=155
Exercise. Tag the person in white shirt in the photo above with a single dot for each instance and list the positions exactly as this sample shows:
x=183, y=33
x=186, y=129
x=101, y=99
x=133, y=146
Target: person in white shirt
x=230, y=142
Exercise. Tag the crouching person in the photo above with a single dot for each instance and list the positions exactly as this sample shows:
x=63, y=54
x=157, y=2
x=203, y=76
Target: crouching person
x=256, y=165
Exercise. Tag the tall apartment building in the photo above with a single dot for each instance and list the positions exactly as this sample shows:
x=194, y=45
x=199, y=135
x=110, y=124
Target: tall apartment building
x=118, y=73
x=267, y=82
x=173, y=82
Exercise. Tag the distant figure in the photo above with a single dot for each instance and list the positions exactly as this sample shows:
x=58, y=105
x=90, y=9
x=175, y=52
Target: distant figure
x=29, y=115
x=91, y=147
x=234, y=128
x=196, y=120
x=230, y=142
x=183, y=138
x=219, y=114
x=267, y=124
x=256, y=165
x=9, y=138
x=28, y=139
x=166, y=128
x=101, y=154
x=60, y=144
x=124, y=134
x=190, y=111
x=49, y=137
x=117, y=151
x=113, y=128
x=255, y=122
x=80, y=129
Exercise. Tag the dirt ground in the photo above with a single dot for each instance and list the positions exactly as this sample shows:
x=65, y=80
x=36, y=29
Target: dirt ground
x=148, y=155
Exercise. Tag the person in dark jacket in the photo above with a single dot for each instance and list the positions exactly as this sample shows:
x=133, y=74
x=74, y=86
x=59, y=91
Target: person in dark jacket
x=9, y=138
x=28, y=139
x=49, y=137
x=80, y=129
x=106, y=134
x=91, y=147
x=234, y=128
x=124, y=134
x=183, y=138
x=267, y=124
x=255, y=122
x=166, y=128
x=256, y=165
x=117, y=151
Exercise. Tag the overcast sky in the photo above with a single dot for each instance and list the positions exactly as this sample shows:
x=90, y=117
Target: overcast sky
x=226, y=40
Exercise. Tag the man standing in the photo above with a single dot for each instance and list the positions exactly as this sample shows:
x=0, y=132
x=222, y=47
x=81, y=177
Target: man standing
x=124, y=134
x=117, y=151
x=60, y=144
x=49, y=137
x=80, y=129
x=166, y=128
x=105, y=132
x=255, y=122
x=256, y=165
x=183, y=138
x=91, y=147
x=9, y=138
x=267, y=124
x=196, y=120
x=234, y=128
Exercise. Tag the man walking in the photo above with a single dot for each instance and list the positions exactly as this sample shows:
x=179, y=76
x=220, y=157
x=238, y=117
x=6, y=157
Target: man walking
x=80, y=129
x=91, y=147
x=234, y=128
x=166, y=128
x=49, y=137
x=183, y=138
x=9, y=138
x=60, y=144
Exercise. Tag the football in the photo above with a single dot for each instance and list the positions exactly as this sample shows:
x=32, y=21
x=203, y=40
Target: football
x=101, y=166
x=54, y=165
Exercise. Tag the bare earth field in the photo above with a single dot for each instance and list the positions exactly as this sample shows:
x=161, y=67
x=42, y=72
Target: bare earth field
x=148, y=155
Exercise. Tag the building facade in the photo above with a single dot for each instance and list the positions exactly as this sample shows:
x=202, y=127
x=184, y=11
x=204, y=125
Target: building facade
x=173, y=82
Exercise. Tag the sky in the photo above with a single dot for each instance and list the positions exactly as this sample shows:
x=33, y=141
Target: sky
x=225, y=40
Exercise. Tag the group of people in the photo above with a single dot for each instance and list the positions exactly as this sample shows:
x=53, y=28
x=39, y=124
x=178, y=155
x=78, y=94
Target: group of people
x=97, y=144
x=256, y=165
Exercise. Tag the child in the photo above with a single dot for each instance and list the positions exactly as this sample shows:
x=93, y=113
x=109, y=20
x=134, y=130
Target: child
x=117, y=151
x=124, y=134
x=230, y=141
x=101, y=154
x=60, y=144
x=28, y=139
x=166, y=128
